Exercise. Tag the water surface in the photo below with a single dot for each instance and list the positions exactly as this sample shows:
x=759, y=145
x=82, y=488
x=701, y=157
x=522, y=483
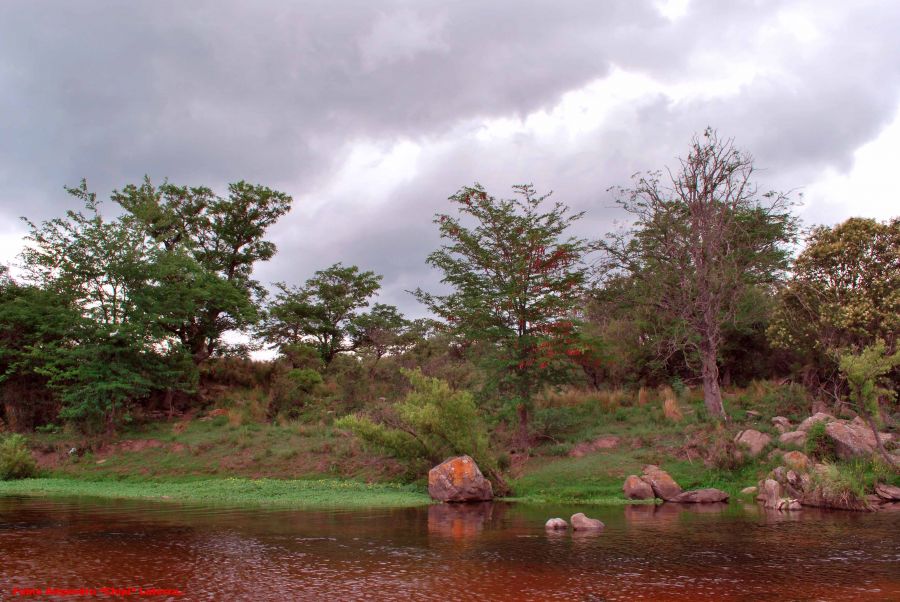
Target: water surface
x=483, y=552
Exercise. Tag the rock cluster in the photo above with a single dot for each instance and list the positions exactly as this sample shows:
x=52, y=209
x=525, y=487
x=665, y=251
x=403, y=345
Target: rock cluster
x=459, y=480
x=580, y=522
x=849, y=438
x=657, y=483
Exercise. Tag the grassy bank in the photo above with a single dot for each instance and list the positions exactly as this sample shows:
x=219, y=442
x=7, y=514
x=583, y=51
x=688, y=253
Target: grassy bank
x=586, y=444
x=229, y=491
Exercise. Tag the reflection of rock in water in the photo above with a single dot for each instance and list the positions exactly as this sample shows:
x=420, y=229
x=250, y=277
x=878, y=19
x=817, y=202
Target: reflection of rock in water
x=459, y=521
x=639, y=513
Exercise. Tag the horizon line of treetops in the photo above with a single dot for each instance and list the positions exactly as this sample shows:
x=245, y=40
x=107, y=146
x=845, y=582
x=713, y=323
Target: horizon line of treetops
x=705, y=286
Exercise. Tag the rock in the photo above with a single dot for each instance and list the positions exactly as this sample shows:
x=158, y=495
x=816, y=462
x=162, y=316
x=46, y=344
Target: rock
x=636, y=488
x=790, y=504
x=663, y=485
x=851, y=439
x=781, y=423
x=582, y=523
x=753, y=414
x=701, y=496
x=753, y=440
x=796, y=460
x=771, y=492
x=749, y=490
x=817, y=417
x=556, y=524
x=887, y=492
x=797, y=438
x=459, y=480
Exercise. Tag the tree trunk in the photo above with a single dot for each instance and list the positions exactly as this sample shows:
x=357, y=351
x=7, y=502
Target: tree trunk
x=712, y=396
x=522, y=412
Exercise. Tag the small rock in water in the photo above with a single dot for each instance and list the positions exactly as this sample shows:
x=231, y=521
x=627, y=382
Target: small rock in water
x=701, y=496
x=555, y=524
x=888, y=492
x=580, y=522
x=749, y=490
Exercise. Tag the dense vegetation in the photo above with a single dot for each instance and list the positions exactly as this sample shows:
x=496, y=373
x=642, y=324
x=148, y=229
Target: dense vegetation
x=543, y=340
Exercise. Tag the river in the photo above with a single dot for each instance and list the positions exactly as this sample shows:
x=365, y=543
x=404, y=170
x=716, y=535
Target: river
x=483, y=552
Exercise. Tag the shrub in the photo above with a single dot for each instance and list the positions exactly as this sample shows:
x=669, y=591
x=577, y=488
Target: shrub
x=431, y=424
x=15, y=459
x=818, y=444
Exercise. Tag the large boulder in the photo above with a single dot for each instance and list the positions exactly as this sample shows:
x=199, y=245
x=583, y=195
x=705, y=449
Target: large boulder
x=770, y=490
x=817, y=417
x=851, y=439
x=753, y=441
x=635, y=488
x=796, y=460
x=459, y=480
x=797, y=438
x=580, y=522
x=664, y=486
x=701, y=496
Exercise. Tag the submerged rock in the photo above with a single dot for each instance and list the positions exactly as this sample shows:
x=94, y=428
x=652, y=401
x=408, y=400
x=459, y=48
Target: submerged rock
x=459, y=480
x=635, y=488
x=663, y=485
x=556, y=524
x=580, y=522
x=701, y=496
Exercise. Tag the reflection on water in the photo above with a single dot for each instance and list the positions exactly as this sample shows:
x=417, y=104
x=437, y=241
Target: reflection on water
x=444, y=552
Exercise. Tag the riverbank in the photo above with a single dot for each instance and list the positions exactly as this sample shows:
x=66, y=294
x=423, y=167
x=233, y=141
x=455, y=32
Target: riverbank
x=300, y=494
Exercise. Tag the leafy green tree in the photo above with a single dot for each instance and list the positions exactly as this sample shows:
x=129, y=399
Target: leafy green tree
x=516, y=277
x=866, y=373
x=844, y=293
x=323, y=311
x=207, y=247
x=701, y=237
x=382, y=330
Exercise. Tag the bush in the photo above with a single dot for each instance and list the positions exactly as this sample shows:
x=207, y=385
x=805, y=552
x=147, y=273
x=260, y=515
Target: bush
x=818, y=444
x=15, y=459
x=431, y=424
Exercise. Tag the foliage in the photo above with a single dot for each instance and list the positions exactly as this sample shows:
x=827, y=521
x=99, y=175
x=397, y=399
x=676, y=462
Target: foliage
x=515, y=278
x=431, y=424
x=844, y=293
x=818, y=444
x=866, y=373
x=15, y=459
x=323, y=311
x=701, y=239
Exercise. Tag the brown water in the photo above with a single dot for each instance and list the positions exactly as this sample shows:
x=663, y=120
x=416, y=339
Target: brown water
x=498, y=552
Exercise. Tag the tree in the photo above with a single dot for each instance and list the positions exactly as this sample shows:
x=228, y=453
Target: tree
x=382, y=330
x=699, y=241
x=324, y=310
x=515, y=280
x=206, y=248
x=844, y=293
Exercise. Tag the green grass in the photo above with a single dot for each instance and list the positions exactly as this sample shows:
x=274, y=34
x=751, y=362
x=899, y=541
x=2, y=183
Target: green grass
x=230, y=491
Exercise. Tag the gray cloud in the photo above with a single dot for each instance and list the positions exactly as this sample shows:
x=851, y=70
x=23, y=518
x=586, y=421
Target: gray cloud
x=279, y=93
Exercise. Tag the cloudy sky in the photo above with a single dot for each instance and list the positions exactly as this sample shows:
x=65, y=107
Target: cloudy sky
x=371, y=113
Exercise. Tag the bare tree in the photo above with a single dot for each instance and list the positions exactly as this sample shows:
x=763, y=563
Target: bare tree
x=700, y=238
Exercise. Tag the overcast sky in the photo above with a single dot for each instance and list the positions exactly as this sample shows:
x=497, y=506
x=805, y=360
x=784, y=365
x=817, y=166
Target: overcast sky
x=372, y=113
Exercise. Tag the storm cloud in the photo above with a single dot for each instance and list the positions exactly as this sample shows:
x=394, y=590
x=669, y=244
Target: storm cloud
x=371, y=113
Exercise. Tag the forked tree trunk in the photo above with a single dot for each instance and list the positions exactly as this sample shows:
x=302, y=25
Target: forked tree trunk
x=712, y=395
